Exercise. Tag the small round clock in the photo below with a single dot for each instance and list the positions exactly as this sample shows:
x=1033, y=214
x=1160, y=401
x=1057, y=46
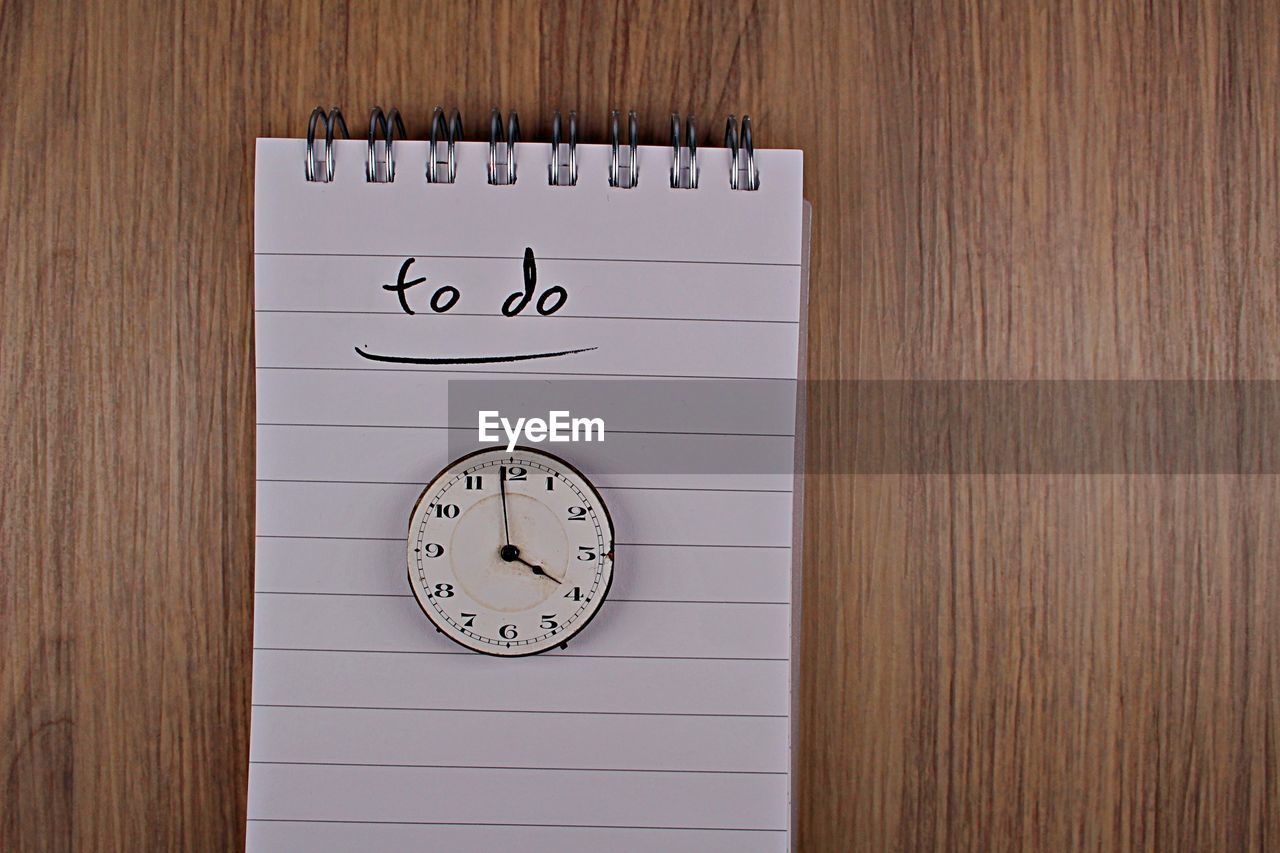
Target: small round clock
x=510, y=552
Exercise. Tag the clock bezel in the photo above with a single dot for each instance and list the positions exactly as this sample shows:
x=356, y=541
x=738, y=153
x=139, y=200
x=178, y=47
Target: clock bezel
x=609, y=554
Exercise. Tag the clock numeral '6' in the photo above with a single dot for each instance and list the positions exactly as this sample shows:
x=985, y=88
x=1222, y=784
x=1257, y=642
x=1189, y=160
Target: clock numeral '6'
x=507, y=632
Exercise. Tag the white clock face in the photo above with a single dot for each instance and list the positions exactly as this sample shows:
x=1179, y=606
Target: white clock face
x=510, y=553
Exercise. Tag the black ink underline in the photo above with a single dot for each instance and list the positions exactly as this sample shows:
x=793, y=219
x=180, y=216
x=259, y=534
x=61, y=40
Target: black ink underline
x=484, y=359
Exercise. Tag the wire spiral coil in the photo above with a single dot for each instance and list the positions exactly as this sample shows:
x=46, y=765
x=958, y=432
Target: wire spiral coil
x=452, y=133
x=555, y=176
x=632, y=167
x=684, y=161
x=388, y=125
x=742, y=169
x=503, y=172
x=332, y=121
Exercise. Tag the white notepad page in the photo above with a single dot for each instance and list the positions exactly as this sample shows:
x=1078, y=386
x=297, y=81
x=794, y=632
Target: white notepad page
x=667, y=723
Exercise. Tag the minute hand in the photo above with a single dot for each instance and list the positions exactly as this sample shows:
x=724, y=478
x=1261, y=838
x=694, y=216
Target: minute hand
x=502, y=487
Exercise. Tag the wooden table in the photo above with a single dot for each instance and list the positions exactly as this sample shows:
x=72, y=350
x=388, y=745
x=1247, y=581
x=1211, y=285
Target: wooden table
x=1001, y=190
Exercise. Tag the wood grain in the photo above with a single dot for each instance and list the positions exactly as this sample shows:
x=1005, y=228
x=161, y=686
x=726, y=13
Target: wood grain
x=1001, y=190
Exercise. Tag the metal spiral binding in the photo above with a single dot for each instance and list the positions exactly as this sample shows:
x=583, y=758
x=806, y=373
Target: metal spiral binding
x=388, y=124
x=332, y=120
x=503, y=173
x=554, y=175
x=453, y=133
x=743, y=156
x=633, y=160
x=562, y=170
x=684, y=163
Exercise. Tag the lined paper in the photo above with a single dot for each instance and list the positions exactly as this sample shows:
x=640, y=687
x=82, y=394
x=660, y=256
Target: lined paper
x=666, y=724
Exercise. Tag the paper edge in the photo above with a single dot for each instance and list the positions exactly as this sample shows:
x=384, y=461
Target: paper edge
x=797, y=515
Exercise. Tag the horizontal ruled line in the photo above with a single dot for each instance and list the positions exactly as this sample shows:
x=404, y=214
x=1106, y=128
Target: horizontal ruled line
x=525, y=769
x=337, y=538
x=601, y=488
x=561, y=655
x=499, y=445
x=612, y=599
x=627, y=544
x=347, y=594
x=516, y=711
x=675, y=261
x=698, y=545
x=522, y=825
x=346, y=311
x=527, y=373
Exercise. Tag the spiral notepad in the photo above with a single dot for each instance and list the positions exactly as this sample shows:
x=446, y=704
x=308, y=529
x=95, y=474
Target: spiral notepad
x=388, y=270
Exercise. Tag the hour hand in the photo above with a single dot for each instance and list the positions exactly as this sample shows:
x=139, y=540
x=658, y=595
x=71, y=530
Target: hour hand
x=511, y=554
x=538, y=570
